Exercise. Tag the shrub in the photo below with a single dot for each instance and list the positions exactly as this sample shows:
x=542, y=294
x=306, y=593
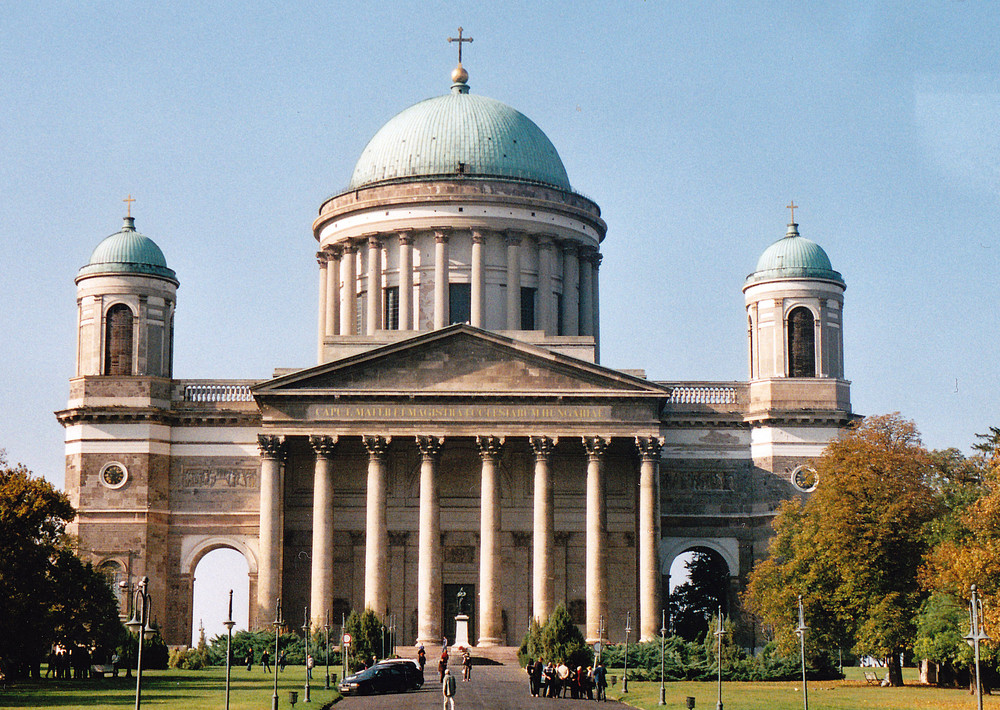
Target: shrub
x=558, y=640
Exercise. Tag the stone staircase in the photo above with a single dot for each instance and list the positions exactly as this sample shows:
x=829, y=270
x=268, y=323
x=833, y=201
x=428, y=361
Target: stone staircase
x=499, y=655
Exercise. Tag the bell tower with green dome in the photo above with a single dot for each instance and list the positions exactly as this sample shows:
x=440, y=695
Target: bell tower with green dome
x=125, y=297
x=797, y=391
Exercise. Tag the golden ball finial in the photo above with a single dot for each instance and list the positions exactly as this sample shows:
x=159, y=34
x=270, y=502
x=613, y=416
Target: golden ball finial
x=459, y=75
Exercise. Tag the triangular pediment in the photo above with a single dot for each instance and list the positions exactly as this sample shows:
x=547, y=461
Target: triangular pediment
x=459, y=360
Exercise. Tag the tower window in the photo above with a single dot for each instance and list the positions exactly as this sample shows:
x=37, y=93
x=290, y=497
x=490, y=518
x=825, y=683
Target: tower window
x=527, y=308
x=559, y=314
x=391, y=318
x=118, y=341
x=460, y=303
x=801, y=347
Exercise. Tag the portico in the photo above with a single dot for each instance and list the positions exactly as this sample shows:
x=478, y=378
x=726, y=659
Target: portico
x=507, y=444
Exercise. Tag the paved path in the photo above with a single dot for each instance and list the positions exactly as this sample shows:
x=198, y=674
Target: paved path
x=491, y=688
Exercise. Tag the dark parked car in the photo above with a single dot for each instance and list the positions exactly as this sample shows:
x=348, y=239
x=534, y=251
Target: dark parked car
x=380, y=678
x=409, y=667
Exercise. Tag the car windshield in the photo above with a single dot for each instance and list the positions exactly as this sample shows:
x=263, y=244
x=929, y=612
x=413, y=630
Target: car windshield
x=363, y=675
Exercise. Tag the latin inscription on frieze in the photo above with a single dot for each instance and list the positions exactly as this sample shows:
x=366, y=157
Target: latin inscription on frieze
x=219, y=478
x=459, y=413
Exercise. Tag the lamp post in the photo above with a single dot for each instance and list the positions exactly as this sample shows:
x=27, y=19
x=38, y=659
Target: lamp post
x=139, y=625
x=305, y=634
x=800, y=631
x=343, y=646
x=663, y=641
x=719, y=633
x=977, y=634
x=326, y=630
x=628, y=629
x=278, y=623
x=229, y=624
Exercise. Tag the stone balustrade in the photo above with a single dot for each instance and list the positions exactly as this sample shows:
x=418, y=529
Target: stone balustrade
x=213, y=391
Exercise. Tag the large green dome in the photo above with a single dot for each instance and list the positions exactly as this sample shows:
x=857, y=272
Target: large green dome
x=791, y=257
x=460, y=134
x=127, y=252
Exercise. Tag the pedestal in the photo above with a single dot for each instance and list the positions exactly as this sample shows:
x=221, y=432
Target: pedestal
x=461, y=632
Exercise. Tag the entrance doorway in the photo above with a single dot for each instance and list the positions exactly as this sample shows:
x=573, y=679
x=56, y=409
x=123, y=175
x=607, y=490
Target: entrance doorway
x=459, y=598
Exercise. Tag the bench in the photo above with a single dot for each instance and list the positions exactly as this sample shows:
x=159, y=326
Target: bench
x=872, y=678
x=102, y=670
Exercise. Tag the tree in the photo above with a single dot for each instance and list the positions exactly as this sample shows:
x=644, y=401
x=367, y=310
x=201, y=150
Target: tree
x=694, y=602
x=47, y=594
x=559, y=639
x=369, y=637
x=854, y=548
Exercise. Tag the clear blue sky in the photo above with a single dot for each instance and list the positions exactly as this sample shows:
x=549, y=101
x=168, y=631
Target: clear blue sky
x=691, y=124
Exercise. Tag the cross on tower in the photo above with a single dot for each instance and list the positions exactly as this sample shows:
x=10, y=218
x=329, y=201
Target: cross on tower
x=129, y=200
x=460, y=40
x=792, y=207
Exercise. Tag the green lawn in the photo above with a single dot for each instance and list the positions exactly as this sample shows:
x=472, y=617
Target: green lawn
x=189, y=690
x=850, y=694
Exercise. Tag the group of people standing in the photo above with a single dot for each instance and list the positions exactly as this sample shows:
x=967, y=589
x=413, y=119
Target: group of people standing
x=554, y=681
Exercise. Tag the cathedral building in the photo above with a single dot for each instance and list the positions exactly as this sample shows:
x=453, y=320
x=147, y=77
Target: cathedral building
x=458, y=431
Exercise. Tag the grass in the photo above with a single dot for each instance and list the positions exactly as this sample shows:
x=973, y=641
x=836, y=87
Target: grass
x=852, y=693
x=190, y=690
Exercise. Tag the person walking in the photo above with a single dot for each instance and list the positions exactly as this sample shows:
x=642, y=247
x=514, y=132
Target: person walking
x=310, y=664
x=448, y=689
x=265, y=661
x=248, y=659
x=443, y=665
x=601, y=679
x=282, y=661
x=467, y=666
x=421, y=660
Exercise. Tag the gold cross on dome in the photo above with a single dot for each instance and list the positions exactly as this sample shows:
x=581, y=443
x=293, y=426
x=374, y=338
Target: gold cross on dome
x=129, y=200
x=460, y=40
x=792, y=207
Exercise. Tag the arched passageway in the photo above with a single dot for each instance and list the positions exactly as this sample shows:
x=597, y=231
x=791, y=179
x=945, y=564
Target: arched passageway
x=699, y=587
x=217, y=572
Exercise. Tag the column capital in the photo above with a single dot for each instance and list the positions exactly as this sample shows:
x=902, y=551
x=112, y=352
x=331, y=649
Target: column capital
x=588, y=253
x=441, y=235
x=271, y=446
x=478, y=235
x=513, y=237
x=596, y=259
x=546, y=241
x=378, y=446
x=543, y=446
x=430, y=446
x=374, y=240
x=350, y=247
x=334, y=252
x=323, y=445
x=322, y=258
x=649, y=447
x=568, y=246
x=596, y=446
x=405, y=236
x=489, y=446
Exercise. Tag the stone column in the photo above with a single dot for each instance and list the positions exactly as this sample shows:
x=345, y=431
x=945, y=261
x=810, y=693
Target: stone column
x=478, y=290
x=376, y=535
x=571, y=289
x=429, y=586
x=321, y=329
x=543, y=580
x=349, y=290
x=649, y=537
x=373, y=317
x=595, y=260
x=406, y=320
x=321, y=594
x=440, y=279
x=490, y=614
x=271, y=537
x=513, y=281
x=333, y=291
x=545, y=309
x=597, y=593
x=586, y=292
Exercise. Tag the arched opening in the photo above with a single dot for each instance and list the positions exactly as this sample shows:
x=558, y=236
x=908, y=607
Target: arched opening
x=114, y=572
x=801, y=343
x=118, y=340
x=699, y=585
x=217, y=572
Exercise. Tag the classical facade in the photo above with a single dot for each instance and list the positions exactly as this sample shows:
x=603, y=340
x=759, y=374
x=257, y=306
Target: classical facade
x=458, y=430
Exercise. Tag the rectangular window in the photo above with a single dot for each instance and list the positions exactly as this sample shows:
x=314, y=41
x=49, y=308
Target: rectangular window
x=527, y=308
x=559, y=313
x=359, y=320
x=460, y=303
x=391, y=318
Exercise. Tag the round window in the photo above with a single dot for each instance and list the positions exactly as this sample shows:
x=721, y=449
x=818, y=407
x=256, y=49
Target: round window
x=805, y=478
x=114, y=475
